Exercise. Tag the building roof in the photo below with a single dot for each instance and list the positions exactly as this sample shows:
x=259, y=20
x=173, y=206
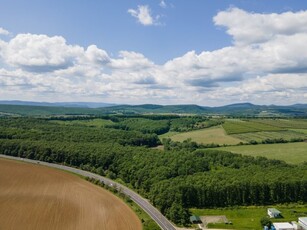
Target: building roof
x=274, y=210
x=194, y=218
x=303, y=220
x=284, y=225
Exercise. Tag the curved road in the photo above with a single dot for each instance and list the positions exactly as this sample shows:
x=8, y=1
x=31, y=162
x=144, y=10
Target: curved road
x=161, y=220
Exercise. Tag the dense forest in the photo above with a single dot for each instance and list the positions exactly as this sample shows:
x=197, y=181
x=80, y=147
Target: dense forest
x=174, y=180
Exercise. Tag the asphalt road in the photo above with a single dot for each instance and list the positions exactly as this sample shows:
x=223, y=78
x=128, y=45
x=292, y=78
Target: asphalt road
x=161, y=220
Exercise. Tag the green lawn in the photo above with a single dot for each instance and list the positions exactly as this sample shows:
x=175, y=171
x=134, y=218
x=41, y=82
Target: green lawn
x=215, y=135
x=243, y=218
x=292, y=153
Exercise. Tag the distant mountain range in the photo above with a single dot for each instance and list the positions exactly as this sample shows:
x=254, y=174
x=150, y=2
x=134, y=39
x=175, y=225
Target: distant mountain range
x=239, y=109
x=60, y=108
x=58, y=104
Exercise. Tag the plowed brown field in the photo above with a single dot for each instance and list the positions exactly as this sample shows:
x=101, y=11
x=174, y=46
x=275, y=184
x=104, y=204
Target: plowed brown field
x=37, y=197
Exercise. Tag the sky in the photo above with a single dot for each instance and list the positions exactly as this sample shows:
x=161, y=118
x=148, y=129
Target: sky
x=201, y=52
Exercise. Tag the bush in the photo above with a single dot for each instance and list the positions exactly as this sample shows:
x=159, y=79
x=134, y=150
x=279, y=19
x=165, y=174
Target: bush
x=265, y=221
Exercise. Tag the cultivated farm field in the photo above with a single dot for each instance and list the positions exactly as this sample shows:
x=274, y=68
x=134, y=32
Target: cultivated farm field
x=236, y=126
x=293, y=153
x=287, y=135
x=262, y=129
x=214, y=135
x=304, y=131
x=247, y=126
x=234, y=131
x=38, y=197
x=285, y=123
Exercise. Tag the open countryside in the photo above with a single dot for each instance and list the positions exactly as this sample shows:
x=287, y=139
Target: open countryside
x=153, y=115
x=184, y=175
x=37, y=197
x=243, y=218
x=240, y=131
x=245, y=131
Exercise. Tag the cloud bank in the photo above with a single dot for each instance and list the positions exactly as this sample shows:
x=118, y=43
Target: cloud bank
x=266, y=64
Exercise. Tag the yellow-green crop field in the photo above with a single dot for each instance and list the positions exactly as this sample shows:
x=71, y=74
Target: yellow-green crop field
x=214, y=135
x=304, y=131
x=293, y=153
x=234, y=131
x=235, y=127
x=284, y=123
x=287, y=135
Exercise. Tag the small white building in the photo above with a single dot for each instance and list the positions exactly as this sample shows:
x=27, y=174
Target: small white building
x=303, y=222
x=283, y=226
x=273, y=213
x=296, y=225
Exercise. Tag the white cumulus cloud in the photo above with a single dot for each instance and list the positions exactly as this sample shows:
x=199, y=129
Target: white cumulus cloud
x=39, y=52
x=143, y=15
x=266, y=64
x=96, y=55
x=250, y=28
x=130, y=61
x=4, y=31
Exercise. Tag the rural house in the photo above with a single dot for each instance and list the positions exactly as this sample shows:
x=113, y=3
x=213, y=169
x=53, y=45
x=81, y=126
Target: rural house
x=274, y=213
x=303, y=222
x=195, y=219
x=283, y=226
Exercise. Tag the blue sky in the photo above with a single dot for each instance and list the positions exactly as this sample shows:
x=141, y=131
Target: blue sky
x=168, y=52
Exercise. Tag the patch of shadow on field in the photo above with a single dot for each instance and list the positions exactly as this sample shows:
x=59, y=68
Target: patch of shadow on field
x=213, y=219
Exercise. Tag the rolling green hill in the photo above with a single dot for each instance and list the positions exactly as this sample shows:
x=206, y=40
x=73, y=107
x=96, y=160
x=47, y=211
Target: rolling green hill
x=241, y=110
x=28, y=110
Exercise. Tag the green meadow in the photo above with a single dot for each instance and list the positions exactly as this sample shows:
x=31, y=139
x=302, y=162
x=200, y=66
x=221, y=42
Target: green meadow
x=215, y=135
x=293, y=153
x=247, y=126
x=287, y=135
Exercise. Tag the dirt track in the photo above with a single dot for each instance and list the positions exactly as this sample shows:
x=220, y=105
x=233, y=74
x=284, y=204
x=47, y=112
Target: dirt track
x=37, y=197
